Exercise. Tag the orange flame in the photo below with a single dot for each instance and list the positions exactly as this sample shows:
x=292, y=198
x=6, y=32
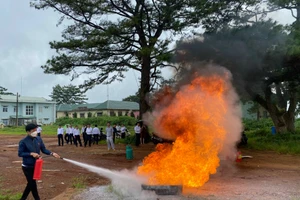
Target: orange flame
x=195, y=119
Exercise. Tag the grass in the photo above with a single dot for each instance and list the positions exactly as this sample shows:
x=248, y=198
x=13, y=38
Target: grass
x=262, y=139
x=79, y=182
x=7, y=194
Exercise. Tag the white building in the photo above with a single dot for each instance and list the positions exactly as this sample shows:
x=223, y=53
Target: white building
x=28, y=110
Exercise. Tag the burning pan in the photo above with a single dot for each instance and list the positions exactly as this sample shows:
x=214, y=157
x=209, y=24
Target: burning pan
x=164, y=189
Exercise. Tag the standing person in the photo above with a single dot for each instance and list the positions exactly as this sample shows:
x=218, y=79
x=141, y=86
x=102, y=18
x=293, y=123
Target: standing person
x=60, y=135
x=29, y=149
x=83, y=131
x=109, y=137
x=71, y=138
x=77, y=139
x=39, y=130
x=96, y=133
x=67, y=134
x=118, y=127
x=123, y=131
x=143, y=133
x=137, y=130
x=114, y=133
x=88, y=135
x=101, y=134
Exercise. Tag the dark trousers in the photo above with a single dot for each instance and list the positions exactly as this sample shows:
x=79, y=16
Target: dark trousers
x=31, y=184
x=71, y=138
x=88, y=139
x=84, y=137
x=137, y=139
x=77, y=140
x=67, y=138
x=60, y=140
x=96, y=139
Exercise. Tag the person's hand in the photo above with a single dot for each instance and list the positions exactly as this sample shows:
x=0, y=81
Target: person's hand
x=35, y=155
x=55, y=155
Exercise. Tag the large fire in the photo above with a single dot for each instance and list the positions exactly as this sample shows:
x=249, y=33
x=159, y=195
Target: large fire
x=195, y=119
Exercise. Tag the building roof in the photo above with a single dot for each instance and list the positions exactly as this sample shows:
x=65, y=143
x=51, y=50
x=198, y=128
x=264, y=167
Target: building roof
x=13, y=98
x=107, y=105
x=118, y=105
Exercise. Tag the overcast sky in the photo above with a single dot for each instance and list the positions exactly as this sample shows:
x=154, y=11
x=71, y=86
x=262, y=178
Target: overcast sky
x=24, y=47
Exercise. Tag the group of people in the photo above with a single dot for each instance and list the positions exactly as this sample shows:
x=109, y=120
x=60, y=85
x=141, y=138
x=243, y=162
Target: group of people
x=90, y=135
x=32, y=145
x=141, y=133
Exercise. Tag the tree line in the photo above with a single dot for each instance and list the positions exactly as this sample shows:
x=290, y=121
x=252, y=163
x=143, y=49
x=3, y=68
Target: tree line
x=107, y=38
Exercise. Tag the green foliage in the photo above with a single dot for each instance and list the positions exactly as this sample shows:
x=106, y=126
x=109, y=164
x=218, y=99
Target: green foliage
x=79, y=182
x=4, y=91
x=8, y=195
x=69, y=94
x=250, y=124
x=262, y=139
x=133, y=98
x=134, y=40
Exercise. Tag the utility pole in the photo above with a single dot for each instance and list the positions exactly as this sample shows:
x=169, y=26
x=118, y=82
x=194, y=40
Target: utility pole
x=17, y=109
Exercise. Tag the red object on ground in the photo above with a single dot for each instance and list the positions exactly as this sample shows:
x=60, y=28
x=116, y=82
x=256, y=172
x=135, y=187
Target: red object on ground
x=239, y=156
x=38, y=169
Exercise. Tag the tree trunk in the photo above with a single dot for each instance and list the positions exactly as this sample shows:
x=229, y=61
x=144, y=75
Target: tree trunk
x=278, y=121
x=145, y=85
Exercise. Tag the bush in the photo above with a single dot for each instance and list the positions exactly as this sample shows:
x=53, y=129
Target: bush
x=262, y=139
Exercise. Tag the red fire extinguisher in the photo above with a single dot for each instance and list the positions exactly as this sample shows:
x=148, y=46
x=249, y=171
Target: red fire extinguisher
x=38, y=169
x=239, y=157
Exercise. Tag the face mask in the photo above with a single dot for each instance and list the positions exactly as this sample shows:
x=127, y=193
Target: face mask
x=33, y=134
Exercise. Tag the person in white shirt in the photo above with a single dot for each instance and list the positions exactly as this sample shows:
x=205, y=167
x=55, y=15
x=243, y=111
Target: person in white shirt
x=88, y=135
x=67, y=134
x=118, y=127
x=60, y=138
x=137, y=130
x=71, y=138
x=109, y=137
x=96, y=133
x=76, y=134
x=123, y=130
x=39, y=130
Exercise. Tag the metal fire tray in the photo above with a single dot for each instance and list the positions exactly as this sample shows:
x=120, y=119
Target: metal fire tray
x=164, y=189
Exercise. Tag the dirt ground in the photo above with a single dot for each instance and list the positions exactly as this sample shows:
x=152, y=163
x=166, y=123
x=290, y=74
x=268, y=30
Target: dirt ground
x=278, y=174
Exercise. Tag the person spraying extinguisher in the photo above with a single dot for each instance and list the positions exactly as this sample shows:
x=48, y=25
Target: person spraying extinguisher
x=29, y=149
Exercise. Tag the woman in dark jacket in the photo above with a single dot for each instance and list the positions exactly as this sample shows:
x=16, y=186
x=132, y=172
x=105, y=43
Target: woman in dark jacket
x=30, y=148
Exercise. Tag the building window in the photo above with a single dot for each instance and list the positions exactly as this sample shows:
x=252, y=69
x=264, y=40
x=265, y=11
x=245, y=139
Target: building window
x=99, y=114
x=46, y=107
x=15, y=108
x=29, y=110
x=5, y=109
x=40, y=109
x=119, y=113
x=81, y=115
x=112, y=113
x=46, y=119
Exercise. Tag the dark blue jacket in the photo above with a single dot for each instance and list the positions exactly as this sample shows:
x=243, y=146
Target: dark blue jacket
x=28, y=145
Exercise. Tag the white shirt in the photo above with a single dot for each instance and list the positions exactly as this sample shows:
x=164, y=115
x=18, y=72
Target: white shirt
x=95, y=131
x=123, y=129
x=71, y=130
x=118, y=128
x=89, y=131
x=76, y=131
x=137, y=129
x=60, y=131
x=109, y=131
x=39, y=130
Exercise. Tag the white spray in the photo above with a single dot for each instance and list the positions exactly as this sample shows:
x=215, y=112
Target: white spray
x=125, y=182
